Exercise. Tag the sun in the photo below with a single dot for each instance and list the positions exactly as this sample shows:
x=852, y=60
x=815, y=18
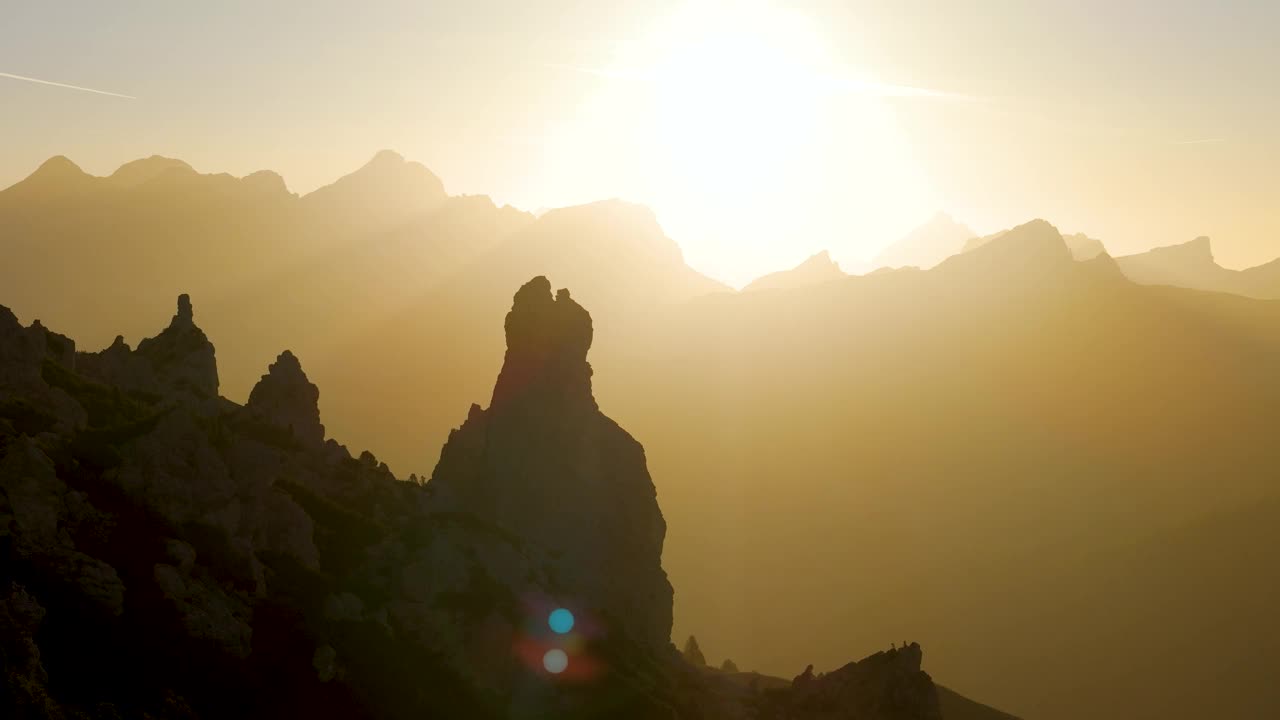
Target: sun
x=737, y=96
x=750, y=136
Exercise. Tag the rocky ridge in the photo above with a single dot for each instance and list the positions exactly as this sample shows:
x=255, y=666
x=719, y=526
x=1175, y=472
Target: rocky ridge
x=171, y=554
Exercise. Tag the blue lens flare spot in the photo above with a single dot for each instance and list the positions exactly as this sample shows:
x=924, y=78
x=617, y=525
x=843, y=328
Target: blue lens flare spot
x=555, y=661
x=561, y=621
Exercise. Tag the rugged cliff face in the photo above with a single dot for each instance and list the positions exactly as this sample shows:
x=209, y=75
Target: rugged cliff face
x=167, y=553
x=286, y=398
x=543, y=463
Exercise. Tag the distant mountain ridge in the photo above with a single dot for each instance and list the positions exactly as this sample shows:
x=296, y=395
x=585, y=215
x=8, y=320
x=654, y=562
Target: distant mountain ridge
x=1192, y=265
x=974, y=440
x=926, y=246
x=320, y=272
x=819, y=268
x=1082, y=246
x=171, y=554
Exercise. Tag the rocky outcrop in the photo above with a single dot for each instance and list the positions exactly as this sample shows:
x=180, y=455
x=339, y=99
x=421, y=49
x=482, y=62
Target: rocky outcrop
x=168, y=554
x=181, y=356
x=178, y=363
x=545, y=465
x=286, y=397
x=692, y=653
x=28, y=355
x=886, y=686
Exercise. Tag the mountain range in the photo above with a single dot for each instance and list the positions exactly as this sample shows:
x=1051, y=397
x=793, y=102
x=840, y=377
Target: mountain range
x=1191, y=265
x=1051, y=470
x=169, y=553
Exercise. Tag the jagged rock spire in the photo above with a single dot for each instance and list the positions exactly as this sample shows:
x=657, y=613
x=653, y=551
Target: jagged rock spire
x=543, y=463
x=547, y=343
x=186, y=315
x=692, y=653
x=182, y=356
x=286, y=397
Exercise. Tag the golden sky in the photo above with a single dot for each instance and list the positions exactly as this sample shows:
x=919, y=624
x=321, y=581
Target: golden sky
x=759, y=132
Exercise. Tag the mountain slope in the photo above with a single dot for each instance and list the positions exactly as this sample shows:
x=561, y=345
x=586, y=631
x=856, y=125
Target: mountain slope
x=1082, y=246
x=1191, y=265
x=381, y=252
x=846, y=463
x=816, y=270
x=959, y=435
x=171, y=554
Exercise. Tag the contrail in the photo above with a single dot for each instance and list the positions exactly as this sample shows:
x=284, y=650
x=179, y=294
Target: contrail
x=1200, y=142
x=64, y=85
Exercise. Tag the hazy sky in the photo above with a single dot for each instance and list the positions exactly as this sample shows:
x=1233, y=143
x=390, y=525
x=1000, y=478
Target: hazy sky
x=748, y=126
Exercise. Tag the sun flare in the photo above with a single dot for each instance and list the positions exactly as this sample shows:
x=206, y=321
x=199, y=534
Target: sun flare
x=736, y=98
x=749, y=138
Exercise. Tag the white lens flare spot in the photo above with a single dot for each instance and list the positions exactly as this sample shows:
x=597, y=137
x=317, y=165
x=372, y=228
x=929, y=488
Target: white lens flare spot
x=555, y=661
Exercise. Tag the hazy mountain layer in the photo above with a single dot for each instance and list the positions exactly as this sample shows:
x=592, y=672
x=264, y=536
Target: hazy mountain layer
x=970, y=447
x=961, y=455
x=1191, y=265
x=1082, y=246
x=816, y=270
x=168, y=553
x=926, y=246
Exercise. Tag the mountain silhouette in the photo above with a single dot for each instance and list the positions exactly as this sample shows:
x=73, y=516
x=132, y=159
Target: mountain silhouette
x=926, y=246
x=387, y=191
x=817, y=269
x=139, y=172
x=325, y=276
x=1008, y=412
x=1081, y=246
x=838, y=465
x=173, y=554
x=1191, y=265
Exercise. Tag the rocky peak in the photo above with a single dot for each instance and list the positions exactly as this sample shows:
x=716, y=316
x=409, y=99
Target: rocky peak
x=692, y=653
x=58, y=167
x=546, y=466
x=547, y=343
x=55, y=177
x=138, y=172
x=185, y=315
x=1027, y=252
x=181, y=356
x=886, y=686
x=386, y=185
x=285, y=397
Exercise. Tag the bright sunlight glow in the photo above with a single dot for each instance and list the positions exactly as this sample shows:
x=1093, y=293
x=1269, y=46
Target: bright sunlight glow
x=742, y=128
x=736, y=96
